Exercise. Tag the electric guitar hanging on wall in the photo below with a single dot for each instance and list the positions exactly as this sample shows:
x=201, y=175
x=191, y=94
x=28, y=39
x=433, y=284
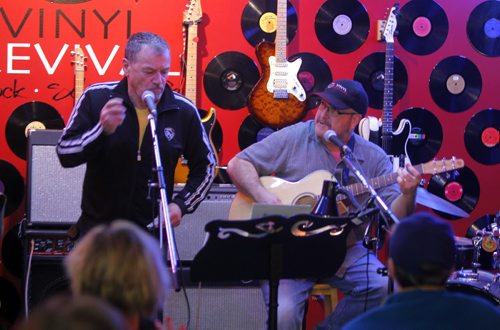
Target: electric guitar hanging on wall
x=79, y=62
x=278, y=98
x=394, y=143
x=192, y=17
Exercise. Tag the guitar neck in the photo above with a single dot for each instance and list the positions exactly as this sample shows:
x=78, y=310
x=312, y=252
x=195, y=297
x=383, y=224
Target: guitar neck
x=191, y=62
x=388, y=89
x=378, y=182
x=281, y=37
x=79, y=83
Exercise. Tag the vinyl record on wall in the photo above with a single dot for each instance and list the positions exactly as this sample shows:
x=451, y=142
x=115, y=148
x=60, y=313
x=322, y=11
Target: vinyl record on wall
x=12, y=185
x=229, y=78
x=342, y=26
x=426, y=134
x=422, y=27
x=455, y=84
x=481, y=137
x=459, y=187
x=252, y=131
x=486, y=222
x=31, y=115
x=370, y=72
x=483, y=28
x=259, y=21
x=314, y=75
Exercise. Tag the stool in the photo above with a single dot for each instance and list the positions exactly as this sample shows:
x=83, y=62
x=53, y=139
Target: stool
x=330, y=298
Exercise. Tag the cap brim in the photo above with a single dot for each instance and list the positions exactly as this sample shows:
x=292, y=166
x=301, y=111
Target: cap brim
x=335, y=102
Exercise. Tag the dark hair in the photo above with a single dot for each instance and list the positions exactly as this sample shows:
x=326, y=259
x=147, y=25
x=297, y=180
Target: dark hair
x=429, y=275
x=140, y=39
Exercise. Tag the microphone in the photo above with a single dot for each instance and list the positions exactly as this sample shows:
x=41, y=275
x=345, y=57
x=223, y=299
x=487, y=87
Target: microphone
x=332, y=137
x=149, y=98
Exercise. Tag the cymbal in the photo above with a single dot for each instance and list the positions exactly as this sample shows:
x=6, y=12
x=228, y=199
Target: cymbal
x=424, y=197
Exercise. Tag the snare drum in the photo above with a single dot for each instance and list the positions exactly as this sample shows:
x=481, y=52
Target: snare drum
x=482, y=284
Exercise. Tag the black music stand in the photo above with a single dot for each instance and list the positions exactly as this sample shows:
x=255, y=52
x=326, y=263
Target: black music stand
x=272, y=248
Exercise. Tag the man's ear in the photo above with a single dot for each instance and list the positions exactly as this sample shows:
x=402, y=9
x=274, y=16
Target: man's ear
x=125, y=66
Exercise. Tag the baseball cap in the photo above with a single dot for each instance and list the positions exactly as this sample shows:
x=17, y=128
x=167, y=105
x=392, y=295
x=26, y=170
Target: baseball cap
x=346, y=94
x=422, y=239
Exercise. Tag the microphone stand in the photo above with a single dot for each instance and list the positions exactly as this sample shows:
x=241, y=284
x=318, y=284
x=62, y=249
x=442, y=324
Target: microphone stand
x=164, y=214
x=386, y=213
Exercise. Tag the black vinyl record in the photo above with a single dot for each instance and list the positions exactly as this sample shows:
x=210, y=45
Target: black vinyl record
x=426, y=134
x=455, y=84
x=483, y=28
x=342, y=26
x=370, y=73
x=31, y=115
x=459, y=187
x=422, y=27
x=12, y=185
x=481, y=137
x=486, y=222
x=259, y=21
x=229, y=78
x=252, y=131
x=314, y=75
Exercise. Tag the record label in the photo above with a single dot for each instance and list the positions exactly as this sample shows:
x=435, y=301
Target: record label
x=455, y=84
x=483, y=28
x=229, y=78
x=342, y=26
x=481, y=137
x=426, y=134
x=422, y=27
x=31, y=115
x=259, y=21
x=12, y=185
x=459, y=187
x=370, y=73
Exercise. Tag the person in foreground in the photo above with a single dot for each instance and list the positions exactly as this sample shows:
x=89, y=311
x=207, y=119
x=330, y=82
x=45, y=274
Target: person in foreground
x=421, y=259
x=298, y=150
x=123, y=265
x=109, y=131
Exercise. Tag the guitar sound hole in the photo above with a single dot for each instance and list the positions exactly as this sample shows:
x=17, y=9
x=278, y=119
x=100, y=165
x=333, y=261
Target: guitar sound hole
x=309, y=200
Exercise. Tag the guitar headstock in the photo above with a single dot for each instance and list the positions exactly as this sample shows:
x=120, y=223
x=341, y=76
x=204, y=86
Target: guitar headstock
x=444, y=165
x=193, y=14
x=391, y=23
x=78, y=59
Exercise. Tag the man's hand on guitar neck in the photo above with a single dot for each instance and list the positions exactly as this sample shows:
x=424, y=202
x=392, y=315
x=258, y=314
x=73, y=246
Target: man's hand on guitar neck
x=409, y=180
x=246, y=179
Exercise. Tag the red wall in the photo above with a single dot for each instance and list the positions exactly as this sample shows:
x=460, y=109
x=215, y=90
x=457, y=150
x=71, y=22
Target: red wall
x=34, y=30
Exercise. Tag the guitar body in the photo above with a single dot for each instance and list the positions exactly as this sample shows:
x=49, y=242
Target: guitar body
x=182, y=169
x=303, y=192
x=272, y=107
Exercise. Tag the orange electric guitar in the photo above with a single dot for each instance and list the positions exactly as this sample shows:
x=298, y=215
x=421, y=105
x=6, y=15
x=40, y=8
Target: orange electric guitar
x=278, y=98
x=192, y=17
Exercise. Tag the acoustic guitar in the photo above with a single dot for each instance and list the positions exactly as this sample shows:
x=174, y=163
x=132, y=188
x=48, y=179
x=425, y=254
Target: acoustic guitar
x=278, y=98
x=394, y=143
x=192, y=17
x=307, y=190
x=79, y=62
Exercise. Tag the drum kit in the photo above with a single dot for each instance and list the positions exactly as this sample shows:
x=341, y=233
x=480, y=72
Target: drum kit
x=477, y=260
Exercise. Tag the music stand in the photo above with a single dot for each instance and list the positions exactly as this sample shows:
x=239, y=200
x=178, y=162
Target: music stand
x=272, y=248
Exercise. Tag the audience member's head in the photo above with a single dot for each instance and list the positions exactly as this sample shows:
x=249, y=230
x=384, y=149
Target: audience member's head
x=421, y=251
x=62, y=312
x=123, y=265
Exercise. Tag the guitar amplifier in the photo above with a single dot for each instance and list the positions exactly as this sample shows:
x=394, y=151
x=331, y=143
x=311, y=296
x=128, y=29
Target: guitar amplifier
x=53, y=193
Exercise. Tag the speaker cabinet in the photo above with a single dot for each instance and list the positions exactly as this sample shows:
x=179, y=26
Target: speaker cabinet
x=235, y=305
x=190, y=235
x=54, y=193
x=44, y=274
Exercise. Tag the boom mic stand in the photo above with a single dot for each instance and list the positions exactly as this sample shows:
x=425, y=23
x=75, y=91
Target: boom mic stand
x=164, y=214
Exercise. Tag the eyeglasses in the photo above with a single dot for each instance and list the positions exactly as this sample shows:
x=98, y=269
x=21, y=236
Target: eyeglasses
x=335, y=112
